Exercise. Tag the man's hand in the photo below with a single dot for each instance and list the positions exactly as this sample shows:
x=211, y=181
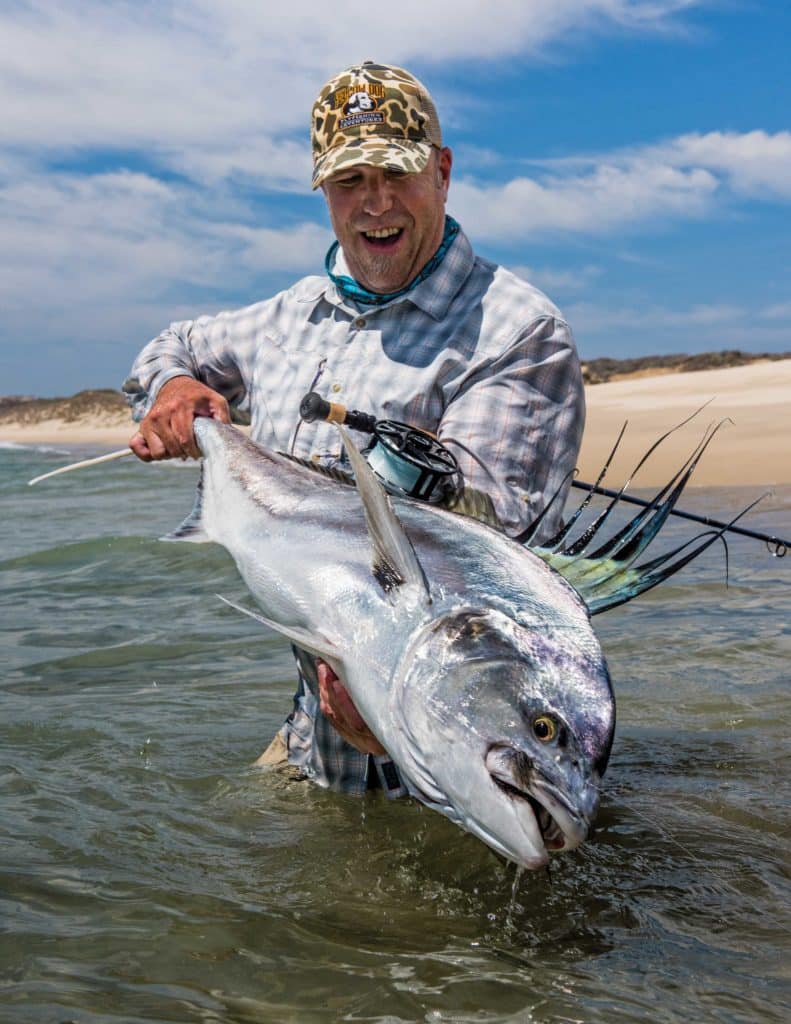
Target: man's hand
x=166, y=432
x=338, y=707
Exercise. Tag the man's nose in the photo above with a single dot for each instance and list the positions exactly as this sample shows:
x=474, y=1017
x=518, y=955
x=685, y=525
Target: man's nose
x=378, y=196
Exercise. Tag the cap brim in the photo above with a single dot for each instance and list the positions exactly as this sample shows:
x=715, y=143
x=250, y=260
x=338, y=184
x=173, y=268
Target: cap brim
x=393, y=154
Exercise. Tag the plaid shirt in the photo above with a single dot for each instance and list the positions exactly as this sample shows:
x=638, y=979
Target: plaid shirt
x=473, y=353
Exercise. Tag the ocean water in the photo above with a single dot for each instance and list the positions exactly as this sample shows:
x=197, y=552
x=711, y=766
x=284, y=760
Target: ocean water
x=149, y=874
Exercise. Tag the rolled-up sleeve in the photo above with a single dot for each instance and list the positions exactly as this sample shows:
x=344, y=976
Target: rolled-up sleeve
x=218, y=351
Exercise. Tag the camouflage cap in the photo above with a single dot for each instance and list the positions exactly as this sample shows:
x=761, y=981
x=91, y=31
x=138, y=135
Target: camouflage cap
x=373, y=114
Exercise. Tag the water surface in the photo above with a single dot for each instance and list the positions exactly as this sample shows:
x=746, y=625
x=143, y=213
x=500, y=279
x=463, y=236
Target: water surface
x=149, y=873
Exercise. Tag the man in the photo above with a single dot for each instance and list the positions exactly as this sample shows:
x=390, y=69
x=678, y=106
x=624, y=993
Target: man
x=407, y=324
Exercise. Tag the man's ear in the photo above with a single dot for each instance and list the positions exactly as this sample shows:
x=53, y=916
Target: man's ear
x=442, y=165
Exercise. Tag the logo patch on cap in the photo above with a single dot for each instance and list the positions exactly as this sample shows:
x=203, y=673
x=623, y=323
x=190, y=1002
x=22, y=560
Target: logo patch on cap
x=358, y=103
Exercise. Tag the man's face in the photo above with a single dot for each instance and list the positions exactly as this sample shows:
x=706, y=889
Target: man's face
x=389, y=223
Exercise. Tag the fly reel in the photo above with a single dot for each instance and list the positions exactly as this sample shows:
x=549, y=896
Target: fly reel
x=409, y=462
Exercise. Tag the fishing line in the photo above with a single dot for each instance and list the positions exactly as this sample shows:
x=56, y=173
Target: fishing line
x=675, y=842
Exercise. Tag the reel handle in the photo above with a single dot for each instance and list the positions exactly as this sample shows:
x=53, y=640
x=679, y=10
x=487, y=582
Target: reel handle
x=313, y=407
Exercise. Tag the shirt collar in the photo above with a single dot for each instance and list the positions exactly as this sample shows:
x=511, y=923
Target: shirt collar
x=435, y=294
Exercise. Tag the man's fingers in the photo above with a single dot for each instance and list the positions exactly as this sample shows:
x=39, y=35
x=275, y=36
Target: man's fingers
x=339, y=708
x=219, y=409
x=140, y=448
x=168, y=429
x=148, y=445
x=182, y=426
x=327, y=700
x=340, y=698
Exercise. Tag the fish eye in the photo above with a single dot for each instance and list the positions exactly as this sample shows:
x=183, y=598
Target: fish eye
x=545, y=728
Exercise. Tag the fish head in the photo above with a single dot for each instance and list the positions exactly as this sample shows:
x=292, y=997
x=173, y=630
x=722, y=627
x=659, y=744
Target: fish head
x=506, y=729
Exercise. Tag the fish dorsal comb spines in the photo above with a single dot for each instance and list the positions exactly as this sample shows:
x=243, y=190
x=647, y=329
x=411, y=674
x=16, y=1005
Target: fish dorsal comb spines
x=475, y=504
x=331, y=472
x=609, y=576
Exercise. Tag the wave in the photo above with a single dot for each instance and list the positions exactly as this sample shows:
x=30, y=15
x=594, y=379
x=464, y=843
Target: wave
x=43, y=448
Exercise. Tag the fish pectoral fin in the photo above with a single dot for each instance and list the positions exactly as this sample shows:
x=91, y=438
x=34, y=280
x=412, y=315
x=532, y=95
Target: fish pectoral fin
x=315, y=643
x=192, y=528
x=395, y=564
x=192, y=533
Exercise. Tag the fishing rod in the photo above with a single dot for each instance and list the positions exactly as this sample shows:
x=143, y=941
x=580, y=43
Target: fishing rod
x=775, y=545
x=420, y=462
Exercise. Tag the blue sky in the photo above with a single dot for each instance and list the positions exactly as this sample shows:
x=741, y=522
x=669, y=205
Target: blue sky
x=630, y=157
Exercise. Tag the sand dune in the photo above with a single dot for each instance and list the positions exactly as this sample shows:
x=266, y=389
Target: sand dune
x=754, y=449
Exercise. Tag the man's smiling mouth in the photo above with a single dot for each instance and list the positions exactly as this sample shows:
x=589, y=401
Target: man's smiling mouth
x=382, y=236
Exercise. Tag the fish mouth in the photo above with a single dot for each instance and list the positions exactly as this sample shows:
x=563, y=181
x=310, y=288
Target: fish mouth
x=552, y=834
x=560, y=825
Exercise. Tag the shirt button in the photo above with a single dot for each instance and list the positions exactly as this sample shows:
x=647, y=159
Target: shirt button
x=360, y=321
x=336, y=387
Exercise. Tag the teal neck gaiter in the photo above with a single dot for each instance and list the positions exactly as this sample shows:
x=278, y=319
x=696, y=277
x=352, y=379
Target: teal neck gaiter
x=350, y=289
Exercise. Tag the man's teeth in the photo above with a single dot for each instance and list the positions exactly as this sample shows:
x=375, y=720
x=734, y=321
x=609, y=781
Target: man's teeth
x=382, y=233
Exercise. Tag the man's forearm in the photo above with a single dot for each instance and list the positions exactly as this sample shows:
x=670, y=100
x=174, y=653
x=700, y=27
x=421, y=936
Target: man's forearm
x=166, y=357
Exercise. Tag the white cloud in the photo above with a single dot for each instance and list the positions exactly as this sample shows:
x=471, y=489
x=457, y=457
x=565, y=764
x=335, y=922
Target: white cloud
x=211, y=89
x=604, y=193
x=93, y=266
x=754, y=163
x=596, y=318
x=607, y=199
x=89, y=255
x=779, y=311
x=554, y=280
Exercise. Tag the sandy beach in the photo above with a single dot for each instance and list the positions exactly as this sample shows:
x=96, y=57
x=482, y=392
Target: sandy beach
x=753, y=449
x=89, y=431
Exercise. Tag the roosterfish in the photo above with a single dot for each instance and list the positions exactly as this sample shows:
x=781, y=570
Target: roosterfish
x=470, y=658
x=469, y=654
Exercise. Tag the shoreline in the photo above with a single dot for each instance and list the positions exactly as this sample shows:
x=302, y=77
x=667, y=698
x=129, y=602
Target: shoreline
x=754, y=449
